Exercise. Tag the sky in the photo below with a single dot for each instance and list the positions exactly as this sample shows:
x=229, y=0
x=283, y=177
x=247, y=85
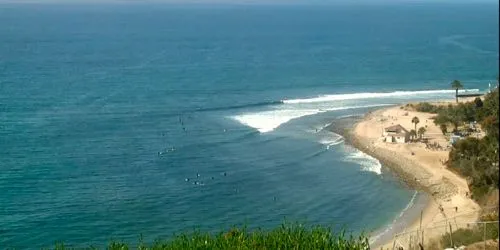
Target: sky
x=252, y=1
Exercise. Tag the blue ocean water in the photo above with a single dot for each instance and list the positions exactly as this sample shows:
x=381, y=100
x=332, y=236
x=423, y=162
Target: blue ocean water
x=128, y=119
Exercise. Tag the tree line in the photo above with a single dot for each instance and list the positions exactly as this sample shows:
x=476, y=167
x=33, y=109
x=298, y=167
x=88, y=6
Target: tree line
x=475, y=158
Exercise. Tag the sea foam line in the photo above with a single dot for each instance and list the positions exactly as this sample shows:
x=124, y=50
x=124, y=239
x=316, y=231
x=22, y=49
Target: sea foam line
x=338, y=139
x=367, y=95
x=267, y=121
x=367, y=162
x=391, y=225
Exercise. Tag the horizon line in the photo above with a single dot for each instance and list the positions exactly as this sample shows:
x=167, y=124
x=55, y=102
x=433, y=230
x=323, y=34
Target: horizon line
x=248, y=2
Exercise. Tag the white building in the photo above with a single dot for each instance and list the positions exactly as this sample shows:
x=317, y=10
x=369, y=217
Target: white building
x=396, y=134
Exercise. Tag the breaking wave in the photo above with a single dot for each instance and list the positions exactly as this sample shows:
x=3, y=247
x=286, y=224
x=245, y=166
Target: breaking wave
x=341, y=97
x=267, y=121
x=335, y=140
x=242, y=106
x=367, y=162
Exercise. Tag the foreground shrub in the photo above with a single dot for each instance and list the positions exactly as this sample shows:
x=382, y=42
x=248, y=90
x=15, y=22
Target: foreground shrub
x=287, y=236
x=428, y=108
x=469, y=236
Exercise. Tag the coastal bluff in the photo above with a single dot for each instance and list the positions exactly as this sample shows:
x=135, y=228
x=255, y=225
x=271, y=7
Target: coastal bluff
x=420, y=167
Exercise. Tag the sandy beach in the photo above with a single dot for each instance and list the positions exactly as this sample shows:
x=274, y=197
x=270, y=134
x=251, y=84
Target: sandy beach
x=421, y=167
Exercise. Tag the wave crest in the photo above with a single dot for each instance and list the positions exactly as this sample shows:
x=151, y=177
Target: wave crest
x=368, y=95
x=267, y=121
x=335, y=140
x=367, y=162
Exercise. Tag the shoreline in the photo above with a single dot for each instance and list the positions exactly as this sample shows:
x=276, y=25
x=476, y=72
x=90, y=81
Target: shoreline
x=421, y=171
x=405, y=177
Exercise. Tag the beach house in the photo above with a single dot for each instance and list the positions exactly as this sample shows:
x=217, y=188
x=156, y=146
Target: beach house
x=396, y=134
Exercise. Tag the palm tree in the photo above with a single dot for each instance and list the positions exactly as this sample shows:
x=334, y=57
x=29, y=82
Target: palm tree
x=421, y=132
x=416, y=121
x=413, y=134
x=456, y=85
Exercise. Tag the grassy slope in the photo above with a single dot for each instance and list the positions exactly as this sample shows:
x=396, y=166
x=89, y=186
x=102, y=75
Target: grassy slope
x=287, y=236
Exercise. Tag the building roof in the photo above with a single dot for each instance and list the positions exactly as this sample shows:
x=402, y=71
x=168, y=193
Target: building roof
x=398, y=129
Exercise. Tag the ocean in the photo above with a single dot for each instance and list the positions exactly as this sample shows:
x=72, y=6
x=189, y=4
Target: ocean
x=122, y=121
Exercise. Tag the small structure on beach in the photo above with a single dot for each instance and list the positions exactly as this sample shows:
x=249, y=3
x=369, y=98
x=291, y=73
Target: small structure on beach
x=396, y=134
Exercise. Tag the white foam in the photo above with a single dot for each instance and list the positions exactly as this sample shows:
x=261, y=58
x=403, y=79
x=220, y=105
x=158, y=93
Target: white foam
x=267, y=121
x=318, y=129
x=355, y=107
x=340, y=97
x=391, y=225
x=322, y=127
x=367, y=162
x=410, y=204
x=348, y=116
x=335, y=143
x=332, y=141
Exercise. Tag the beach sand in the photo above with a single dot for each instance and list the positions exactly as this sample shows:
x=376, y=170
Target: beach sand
x=420, y=167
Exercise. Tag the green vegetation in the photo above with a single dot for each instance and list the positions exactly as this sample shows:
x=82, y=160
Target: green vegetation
x=476, y=159
x=416, y=121
x=416, y=135
x=456, y=85
x=478, y=102
x=287, y=236
x=413, y=134
x=421, y=131
x=427, y=107
x=468, y=236
x=443, y=128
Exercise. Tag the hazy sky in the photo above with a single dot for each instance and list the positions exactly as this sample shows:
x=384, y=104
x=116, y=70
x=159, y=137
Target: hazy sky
x=252, y=1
